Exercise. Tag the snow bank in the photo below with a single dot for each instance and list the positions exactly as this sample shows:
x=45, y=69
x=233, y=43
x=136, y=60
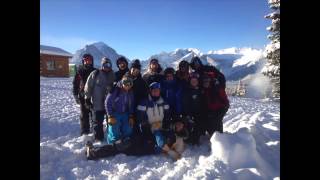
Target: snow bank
x=249, y=148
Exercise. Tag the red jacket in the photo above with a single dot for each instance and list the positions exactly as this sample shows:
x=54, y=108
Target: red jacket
x=216, y=98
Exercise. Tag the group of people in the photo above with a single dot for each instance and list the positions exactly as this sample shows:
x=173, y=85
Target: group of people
x=157, y=112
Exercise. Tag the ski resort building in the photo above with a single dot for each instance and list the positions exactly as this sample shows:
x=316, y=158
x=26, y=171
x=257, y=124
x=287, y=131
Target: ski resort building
x=54, y=62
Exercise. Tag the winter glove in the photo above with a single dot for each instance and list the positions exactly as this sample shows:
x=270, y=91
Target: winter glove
x=87, y=103
x=156, y=125
x=112, y=120
x=131, y=120
x=76, y=97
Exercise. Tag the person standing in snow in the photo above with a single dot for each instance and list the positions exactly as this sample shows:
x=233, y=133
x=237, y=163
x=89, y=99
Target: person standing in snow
x=98, y=85
x=153, y=115
x=217, y=103
x=122, y=65
x=79, y=82
x=197, y=66
x=171, y=92
x=120, y=110
x=182, y=75
x=192, y=108
x=154, y=72
x=140, y=87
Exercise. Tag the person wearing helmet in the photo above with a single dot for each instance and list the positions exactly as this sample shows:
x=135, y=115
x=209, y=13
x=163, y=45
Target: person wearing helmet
x=192, y=108
x=98, y=85
x=119, y=106
x=154, y=72
x=153, y=114
x=122, y=64
x=78, y=83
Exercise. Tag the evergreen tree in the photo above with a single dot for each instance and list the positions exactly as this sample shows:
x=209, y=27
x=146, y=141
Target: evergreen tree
x=272, y=51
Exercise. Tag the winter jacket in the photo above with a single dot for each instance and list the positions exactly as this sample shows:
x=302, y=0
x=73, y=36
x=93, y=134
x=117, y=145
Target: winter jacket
x=98, y=85
x=172, y=94
x=182, y=79
x=80, y=80
x=150, y=77
x=153, y=113
x=216, y=98
x=119, y=101
x=119, y=74
x=140, y=90
x=193, y=102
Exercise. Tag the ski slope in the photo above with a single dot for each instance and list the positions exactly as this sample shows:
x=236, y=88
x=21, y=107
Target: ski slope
x=249, y=148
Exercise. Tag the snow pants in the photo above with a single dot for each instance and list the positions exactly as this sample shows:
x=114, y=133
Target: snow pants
x=214, y=121
x=84, y=118
x=120, y=129
x=97, y=124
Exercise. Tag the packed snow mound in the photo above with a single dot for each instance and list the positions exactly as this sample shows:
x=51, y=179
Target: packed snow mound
x=249, y=148
x=98, y=50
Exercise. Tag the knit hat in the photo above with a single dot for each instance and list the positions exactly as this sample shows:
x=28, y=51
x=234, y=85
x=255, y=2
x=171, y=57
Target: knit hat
x=136, y=64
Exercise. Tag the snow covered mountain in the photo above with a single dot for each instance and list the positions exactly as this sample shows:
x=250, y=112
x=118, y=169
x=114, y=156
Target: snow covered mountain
x=97, y=50
x=235, y=63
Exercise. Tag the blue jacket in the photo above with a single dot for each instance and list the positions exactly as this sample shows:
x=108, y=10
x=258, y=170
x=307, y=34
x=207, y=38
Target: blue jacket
x=119, y=101
x=172, y=93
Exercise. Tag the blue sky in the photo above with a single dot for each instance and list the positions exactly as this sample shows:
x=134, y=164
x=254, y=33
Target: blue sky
x=141, y=28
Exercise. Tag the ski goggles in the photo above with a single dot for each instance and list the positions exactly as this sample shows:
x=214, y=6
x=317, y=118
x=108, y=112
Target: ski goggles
x=107, y=65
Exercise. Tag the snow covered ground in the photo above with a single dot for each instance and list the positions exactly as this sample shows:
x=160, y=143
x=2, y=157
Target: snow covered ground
x=249, y=148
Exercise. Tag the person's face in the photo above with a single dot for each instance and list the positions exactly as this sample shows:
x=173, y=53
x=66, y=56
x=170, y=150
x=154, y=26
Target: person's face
x=126, y=87
x=196, y=65
x=154, y=66
x=122, y=65
x=183, y=68
x=206, y=83
x=179, y=126
x=169, y=77
x=134, y=72
x=194, y=82
x=87, y=61
x=155, y=92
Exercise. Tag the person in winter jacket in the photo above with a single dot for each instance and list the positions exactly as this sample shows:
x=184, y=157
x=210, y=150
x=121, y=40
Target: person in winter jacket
x=153, y=118
x=140, y=87
x=122, y=65
x=182, y=74
x=171, y=92
x=217, y=103
x=120, y=108
x=192, y=108
x=197, y=66
x=212, y=71
x=99, y=84
x=154, y=72
x=79, y=82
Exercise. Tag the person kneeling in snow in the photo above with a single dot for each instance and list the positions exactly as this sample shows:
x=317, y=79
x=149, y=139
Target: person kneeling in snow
x=120, y=107
x=140, y=144
x=154, y=121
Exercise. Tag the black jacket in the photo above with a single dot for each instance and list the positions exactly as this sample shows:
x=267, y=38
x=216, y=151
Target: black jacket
x=119, y=74
x=80, y=80
x=192, y=102
x=140, y=90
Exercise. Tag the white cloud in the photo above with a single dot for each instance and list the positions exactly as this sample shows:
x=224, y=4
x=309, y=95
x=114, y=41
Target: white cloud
x=70, y=44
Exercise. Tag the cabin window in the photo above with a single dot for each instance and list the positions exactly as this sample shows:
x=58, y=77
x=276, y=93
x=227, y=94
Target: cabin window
x=50, y=65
